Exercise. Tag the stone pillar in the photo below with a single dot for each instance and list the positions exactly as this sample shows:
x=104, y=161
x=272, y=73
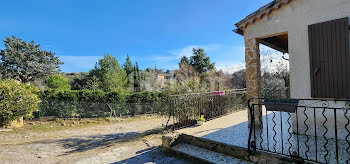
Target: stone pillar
x=253, y=74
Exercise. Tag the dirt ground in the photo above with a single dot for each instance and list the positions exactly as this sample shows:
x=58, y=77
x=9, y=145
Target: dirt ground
x=134, y=141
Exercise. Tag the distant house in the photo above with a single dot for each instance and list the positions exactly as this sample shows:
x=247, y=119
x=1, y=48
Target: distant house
x=315, y=33
x=160, y=79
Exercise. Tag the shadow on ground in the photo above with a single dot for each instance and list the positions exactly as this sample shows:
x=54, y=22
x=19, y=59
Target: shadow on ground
x=152, y=155
x=86, y=143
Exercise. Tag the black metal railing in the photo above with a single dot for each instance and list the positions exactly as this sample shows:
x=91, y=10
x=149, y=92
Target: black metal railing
x=314, y=130
x=185, y=109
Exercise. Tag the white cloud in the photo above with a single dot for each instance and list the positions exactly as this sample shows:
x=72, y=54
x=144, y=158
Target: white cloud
x=227, y=58
x=78, y=63
x=187, y=51
x=231, y=68
x=176, y=54
x=163, y=59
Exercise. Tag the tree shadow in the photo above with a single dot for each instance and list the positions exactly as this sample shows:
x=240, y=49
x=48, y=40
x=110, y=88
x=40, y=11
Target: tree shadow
x=86, y=143
x=81, y=144
x=152, y=155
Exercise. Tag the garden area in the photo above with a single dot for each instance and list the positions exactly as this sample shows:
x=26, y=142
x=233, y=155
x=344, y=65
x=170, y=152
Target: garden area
x=113, y=112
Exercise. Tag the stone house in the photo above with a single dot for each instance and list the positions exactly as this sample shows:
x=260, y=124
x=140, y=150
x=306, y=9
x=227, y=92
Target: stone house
x=315, y=34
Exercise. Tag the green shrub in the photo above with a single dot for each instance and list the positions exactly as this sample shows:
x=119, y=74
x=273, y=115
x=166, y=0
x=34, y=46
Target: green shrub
x=116, y=103
x=58, y=82
x=61, y=103
x=274, y=88
x=17, y=100
x=95, y=103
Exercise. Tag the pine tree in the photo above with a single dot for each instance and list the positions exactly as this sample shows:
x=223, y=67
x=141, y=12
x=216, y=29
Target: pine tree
x=128, y=65
x=136, y=80
x=26, y=62
x=129, y=68
x=138, y=71
x=200, y=61
x=93, y=83
x=184, y=60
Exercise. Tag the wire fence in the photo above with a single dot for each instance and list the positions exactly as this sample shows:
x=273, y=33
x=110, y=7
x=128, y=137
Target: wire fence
x=184, y=110
x=89, y=109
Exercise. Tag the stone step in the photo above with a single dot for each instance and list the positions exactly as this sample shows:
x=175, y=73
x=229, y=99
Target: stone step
x=205, y=155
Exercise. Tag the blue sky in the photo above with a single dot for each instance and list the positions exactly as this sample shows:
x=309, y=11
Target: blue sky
x=152, y=32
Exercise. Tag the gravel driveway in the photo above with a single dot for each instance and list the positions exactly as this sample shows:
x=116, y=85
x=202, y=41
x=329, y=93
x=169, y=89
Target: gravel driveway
x=122, y=142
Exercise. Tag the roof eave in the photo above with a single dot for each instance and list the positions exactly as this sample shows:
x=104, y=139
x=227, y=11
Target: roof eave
x=265, y=10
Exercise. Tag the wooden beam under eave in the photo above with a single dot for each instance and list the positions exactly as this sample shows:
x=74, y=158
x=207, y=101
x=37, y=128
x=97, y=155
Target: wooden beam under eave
x=238, y=31
x=275, y=46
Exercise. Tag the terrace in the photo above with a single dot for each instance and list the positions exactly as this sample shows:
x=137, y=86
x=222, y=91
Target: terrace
x=311, y=126
x=315, y=131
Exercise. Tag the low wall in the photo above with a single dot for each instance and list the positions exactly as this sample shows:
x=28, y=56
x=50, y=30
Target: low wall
x=170, y=140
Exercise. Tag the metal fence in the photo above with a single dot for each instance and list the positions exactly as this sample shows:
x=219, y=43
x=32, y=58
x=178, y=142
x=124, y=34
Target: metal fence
x=185, y=109
x=314, y=130
x=93, y=109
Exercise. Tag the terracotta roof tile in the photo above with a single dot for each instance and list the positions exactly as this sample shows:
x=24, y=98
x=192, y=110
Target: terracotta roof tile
x=265, y=10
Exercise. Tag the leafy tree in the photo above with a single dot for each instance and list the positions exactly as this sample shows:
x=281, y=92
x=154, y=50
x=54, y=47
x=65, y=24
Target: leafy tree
x=239, y=79
x=17, y=100
x=275, y=68
x=26, y=62
x=58, y=82
x=112, y=76
x=274, y=88
x=93, y=83
x=200, y=61
x=77, y=80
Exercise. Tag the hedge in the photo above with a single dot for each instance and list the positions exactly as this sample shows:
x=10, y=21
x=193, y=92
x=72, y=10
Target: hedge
x=88, y=103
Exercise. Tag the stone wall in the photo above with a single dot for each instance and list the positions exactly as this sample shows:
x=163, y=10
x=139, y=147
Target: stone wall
x=253, y=73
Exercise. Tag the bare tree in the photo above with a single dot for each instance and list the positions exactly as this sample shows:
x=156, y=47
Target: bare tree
x=218, y=80
x=185, y=73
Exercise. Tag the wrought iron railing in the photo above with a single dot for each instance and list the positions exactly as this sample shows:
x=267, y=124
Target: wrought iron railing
x=185, y=109
x=312, y=130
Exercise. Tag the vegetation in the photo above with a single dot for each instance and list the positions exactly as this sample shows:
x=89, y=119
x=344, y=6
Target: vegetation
x=57, y=82
x=275, y=82
x=200, y=61
x=201, y=118
x=93, y=83
x=17, y=100
x=112, y=76
x=109, y=89
x=26, y=62
x=87, y=103
x=239, y=79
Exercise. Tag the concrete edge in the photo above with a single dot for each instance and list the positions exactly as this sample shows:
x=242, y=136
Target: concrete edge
x=193, y=159
x=231, y=150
